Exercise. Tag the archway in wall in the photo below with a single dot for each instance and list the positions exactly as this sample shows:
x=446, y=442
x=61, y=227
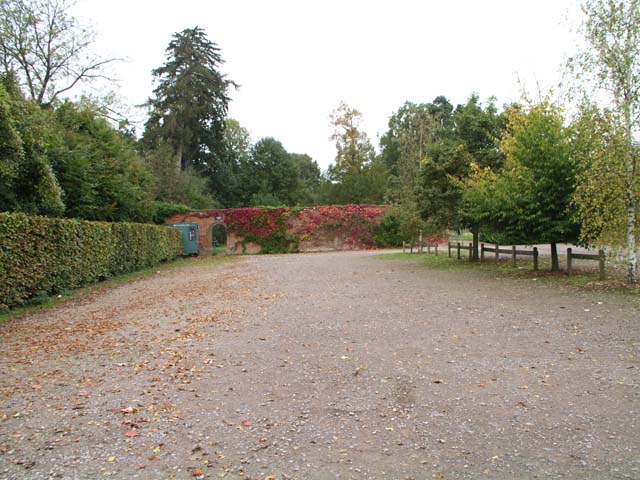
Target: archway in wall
x=218, y=238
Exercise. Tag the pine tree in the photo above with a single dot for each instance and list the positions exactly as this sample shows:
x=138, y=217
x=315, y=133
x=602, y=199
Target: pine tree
x=190, y=101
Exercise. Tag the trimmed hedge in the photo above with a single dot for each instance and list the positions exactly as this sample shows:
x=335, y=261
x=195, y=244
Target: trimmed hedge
x=45, y=256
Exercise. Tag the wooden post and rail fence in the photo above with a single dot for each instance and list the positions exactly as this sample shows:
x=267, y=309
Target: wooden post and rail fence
x=514, y=252
x=459, y=246
x=586, y=256
x=420, y=245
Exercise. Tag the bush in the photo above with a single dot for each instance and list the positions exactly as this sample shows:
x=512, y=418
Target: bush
x=165, y=210
x=42, y=256
x=387, y=234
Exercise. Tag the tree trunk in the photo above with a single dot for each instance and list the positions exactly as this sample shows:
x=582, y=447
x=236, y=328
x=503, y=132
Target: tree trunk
x=555, y=264
x=178, y=159
x=632, y=258
x=476, y=242
x=631, y=166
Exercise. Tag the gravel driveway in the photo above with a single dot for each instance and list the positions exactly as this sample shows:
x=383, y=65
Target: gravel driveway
x=324, y=366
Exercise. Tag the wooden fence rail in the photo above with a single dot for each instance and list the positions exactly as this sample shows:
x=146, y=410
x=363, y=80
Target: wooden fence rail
x=585, y=256
x=513, y=251
x=420, y=247
x=458, y=246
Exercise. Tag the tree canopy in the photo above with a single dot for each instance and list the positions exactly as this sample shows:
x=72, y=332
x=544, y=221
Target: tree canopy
x=529, y=200
x=46, y=48
x=190, y=101
x=611, y=64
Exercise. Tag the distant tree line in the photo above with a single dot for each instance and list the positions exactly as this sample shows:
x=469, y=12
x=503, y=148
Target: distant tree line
x=523, y=173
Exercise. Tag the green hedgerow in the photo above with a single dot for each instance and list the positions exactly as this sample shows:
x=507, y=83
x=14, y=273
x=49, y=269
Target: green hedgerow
x=42, y=256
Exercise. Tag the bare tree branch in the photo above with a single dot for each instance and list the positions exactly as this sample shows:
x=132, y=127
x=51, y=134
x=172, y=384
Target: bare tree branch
x=47, y=47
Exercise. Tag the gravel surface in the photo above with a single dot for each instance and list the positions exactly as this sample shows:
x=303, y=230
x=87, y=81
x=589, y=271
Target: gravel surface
x=323, y=366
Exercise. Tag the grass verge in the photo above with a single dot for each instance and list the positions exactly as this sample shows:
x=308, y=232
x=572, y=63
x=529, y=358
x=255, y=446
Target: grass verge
x=46, y=302
x=584, y=278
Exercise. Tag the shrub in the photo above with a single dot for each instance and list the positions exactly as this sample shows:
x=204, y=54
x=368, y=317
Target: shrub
x=387, y=234
x=42, y=256
x=165, y=210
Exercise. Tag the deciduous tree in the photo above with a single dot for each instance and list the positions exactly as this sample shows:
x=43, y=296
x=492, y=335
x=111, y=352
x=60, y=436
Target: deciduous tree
x=353, y=148
x=470, y=138
x=28, y=183
x=46, y=47
x=272, y=176
x=530, y=200
x=612, y=64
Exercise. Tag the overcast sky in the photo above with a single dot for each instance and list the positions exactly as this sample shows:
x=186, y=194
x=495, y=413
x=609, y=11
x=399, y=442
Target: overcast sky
x=296, y=60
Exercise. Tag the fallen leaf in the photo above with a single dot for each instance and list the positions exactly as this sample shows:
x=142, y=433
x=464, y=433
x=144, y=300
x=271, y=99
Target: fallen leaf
x=132, y=433
x=111, y=459
x=197, y=473
x=246, y=423
x=128, y=410
x=438, y=381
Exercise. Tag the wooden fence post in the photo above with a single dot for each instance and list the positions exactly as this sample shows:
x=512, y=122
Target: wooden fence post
x=458, y=250
x=601, y=261
x=437, y=250
x=513, y=255
x=403, y=247
x=535, y=259
x=449, y=248
x=471, y=252
x=421, y=248
x=569, y=261
x=497, y=252
x=481, y=252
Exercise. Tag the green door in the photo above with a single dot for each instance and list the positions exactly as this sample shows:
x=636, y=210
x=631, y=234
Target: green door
x=189, y=237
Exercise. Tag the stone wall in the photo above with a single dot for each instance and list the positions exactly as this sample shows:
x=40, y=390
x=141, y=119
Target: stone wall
x=255, y=230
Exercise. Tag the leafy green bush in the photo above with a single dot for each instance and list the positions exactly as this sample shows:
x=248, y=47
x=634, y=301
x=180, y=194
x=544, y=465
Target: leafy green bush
x=165, y=210
x=387, y=234
x=42, y=256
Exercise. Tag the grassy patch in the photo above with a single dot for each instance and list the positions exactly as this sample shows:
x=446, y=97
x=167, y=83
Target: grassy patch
x=465, y=237
x=44, y=302
x=585, y=278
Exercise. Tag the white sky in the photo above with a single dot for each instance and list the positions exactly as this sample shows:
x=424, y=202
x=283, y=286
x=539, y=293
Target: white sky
x=296, y=60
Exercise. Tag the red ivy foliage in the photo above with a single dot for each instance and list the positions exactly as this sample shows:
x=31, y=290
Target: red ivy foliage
x=257, y=222
x=354, y=224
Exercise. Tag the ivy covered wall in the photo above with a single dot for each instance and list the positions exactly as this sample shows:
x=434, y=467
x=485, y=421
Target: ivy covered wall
x=280, y=230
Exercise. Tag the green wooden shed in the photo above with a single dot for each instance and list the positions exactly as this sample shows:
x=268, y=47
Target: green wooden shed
x=189, y=237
